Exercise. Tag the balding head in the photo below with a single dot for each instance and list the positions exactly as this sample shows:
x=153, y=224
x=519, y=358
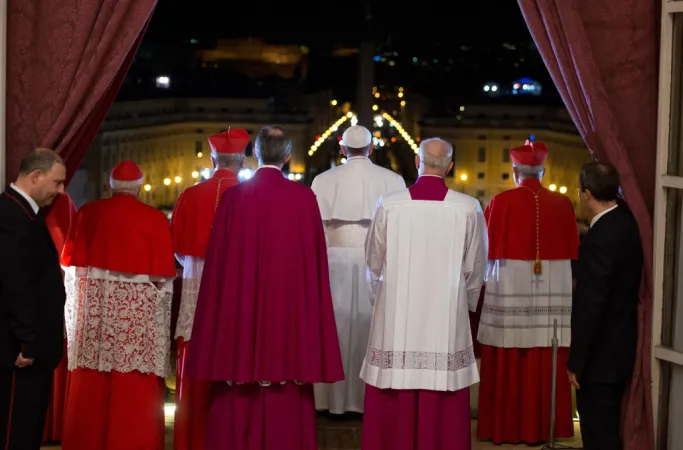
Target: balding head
x=435, y=157
x=272, y=147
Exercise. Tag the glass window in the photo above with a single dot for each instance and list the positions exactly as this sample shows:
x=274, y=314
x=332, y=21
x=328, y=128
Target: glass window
x=675, y=166
x=198, y=146
x=505, y=176
x=675, y=432
x=506, y=155
x=481, y=194
x=481, y=175
x=481, y=154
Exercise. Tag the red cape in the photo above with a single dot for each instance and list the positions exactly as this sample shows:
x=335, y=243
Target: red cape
x=121, y=234
x=265, y=311
x=58, y=219
x=193, y=213
x=511, y=223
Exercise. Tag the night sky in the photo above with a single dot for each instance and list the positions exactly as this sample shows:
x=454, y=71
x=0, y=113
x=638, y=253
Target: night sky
x=342, y=22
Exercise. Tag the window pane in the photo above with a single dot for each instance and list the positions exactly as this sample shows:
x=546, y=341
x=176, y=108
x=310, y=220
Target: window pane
x=506, y=155
x=676, y=118
x=672, y=317
x=675, y=438
x=482, y=154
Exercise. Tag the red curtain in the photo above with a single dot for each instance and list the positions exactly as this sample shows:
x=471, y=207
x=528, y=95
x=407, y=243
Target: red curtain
x=603, y=58
x=66, y=61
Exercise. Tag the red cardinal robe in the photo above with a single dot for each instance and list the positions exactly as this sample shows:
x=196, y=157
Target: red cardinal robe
x=190, y=228
x=119, y=267
x=58, y=220
x=516, y=326
x=264, y=321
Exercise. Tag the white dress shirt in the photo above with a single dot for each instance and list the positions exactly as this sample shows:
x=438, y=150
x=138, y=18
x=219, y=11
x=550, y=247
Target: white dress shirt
x=29, y=199
x=598, y=216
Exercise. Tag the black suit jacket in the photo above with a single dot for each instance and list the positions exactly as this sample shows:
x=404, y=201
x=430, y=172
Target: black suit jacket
x=605, y=303
x=31, y=287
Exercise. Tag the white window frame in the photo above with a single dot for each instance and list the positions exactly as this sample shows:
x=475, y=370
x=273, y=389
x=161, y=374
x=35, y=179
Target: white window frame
x=661, y=354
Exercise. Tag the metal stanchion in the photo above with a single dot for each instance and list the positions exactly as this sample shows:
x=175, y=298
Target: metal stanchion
x=553, y=397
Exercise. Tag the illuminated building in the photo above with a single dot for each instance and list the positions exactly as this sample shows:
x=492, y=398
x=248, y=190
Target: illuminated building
x=168, y=139
x=482, y=136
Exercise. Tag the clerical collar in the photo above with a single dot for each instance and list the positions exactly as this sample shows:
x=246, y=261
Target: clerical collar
x=599, y=216
x=268, y=166
x=28, y=198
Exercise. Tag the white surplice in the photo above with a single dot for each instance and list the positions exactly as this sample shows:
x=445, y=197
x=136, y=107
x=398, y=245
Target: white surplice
x=118, y=321
x=347, y=196
x=193, y=267
x=426, y=262
x=520, y=307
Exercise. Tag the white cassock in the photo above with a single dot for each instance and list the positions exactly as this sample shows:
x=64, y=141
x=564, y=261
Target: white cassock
x=347, y=196
x=426, y=262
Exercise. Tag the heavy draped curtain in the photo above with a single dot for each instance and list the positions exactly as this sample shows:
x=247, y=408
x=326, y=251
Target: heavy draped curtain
x=603, y=58
x=66, y=60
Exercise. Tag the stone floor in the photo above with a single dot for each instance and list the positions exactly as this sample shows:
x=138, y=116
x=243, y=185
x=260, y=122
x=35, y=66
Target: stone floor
x=345, y=435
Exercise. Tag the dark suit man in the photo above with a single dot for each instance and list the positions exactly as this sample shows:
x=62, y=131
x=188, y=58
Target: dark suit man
x=604, y=314
x=31, y=301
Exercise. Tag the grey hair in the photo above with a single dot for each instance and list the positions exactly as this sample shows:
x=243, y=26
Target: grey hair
x=227, y=159
x=42, y=159
x=428, y=161
x=272, y=146
x=524, y=171
x=362, y=151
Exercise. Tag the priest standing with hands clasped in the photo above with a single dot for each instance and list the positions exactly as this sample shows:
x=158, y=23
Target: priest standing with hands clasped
x=264, y=328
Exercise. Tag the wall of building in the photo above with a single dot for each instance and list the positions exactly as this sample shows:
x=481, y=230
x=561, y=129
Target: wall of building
x=482, y=140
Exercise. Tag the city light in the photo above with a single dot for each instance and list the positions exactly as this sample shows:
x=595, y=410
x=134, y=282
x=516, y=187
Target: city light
x=167, y=181
x=178, y=180
x=400, y=89
x=333, y=103
x=403, y=103
x=334, y=127
x=148, y=187
x=463, y=177
x=552, y=187
x=402, y=131
x=200, y=154
x=298, y=176
x=563, y=190
x=195, y=174
x=343, y=160
x=400, y=95
x=375, y=107
x=376, y=94
x=206, y=173
x=245, y=174
x=462, y=108
x=163, y=82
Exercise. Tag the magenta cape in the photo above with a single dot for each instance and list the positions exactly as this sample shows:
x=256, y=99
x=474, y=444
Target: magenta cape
x=265, y=311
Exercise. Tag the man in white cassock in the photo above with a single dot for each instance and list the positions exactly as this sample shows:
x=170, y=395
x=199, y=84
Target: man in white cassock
x=426, y=259
x=347, y=196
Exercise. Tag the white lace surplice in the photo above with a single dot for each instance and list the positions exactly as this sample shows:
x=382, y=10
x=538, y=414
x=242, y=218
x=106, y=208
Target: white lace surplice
x=118, y=322
x=520, y=307
x=192, y=277
x=426, y=261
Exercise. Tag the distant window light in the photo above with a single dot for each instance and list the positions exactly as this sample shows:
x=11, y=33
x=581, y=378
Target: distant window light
x=481, y=175
x=377, y=58
x=532, y=137
x=506, y=155
x=481, y=154
x=163, y=82
x=506, y=176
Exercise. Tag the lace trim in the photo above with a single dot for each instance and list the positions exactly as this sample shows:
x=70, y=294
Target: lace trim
x=117, y=325
x=527, y=310
x=267, y=383
x=387, y=359
x=188, y=307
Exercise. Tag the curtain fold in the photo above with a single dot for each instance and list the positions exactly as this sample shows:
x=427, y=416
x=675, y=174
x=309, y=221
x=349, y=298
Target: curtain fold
x=604, y=60
x=66, y=61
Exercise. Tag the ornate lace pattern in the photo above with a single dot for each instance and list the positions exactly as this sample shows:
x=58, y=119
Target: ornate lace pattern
x=117, y=325
x=192, y=278
x=451, y=362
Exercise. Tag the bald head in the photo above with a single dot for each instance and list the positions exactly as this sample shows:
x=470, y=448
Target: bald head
x=435, y=157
